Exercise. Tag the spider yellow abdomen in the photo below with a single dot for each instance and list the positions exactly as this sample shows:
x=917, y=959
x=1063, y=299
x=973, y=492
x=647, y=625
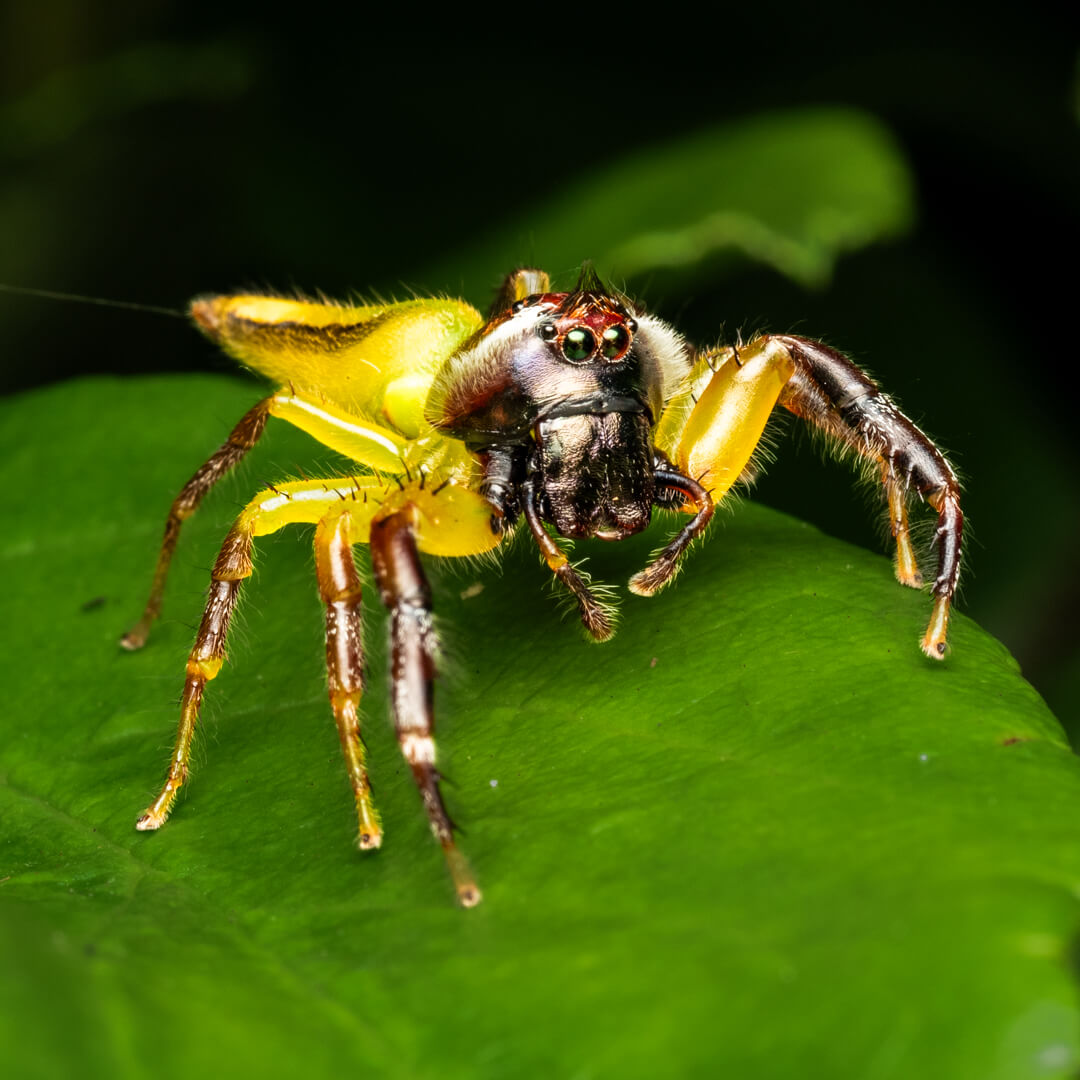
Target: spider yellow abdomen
x=376, y=361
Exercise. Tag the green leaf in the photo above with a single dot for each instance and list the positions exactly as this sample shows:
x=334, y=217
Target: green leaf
x=793, y=190
x=756, y=835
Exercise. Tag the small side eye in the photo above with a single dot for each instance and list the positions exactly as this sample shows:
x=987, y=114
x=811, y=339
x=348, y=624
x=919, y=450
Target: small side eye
x=579, y=344
x=631, y=325
x=616, y=341
x=516, y=306
x=548, y=331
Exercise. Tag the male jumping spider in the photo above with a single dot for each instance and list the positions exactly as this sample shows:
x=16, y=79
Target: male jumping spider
x=576, y=411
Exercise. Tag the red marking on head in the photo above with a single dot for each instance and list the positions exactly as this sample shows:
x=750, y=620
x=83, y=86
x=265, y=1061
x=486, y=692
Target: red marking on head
x=597, y=312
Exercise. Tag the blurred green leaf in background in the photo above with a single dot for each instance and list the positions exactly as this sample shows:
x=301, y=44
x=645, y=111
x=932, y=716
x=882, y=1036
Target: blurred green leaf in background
x=757, y=834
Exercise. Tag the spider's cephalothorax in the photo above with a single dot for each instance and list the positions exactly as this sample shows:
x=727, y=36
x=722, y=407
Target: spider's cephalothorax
x=558, y=396
x=576, y=411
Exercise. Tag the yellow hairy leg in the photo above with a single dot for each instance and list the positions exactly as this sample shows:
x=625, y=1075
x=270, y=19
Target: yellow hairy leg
x=353, y=436
x=370, y=444
x=451, y=520
x=713, y=440
x=375, y=360
x=448, y=519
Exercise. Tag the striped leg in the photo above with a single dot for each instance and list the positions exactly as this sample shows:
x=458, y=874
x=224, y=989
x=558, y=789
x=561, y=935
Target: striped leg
x=307, y=502
x=829, y=391
x=405, y=592
x=242, y=438
x=204, y=662
x=339, y=586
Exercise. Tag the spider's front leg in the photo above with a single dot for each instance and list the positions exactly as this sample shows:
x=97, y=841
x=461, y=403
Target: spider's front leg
x=340, y=589
x=830, y=392
x=710, y=437
x=339, y=508
x=711, y=431
x=243, y=437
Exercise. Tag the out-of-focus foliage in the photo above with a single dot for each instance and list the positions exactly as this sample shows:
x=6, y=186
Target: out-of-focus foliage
x=793, y=191
x=74, y=101
x=774, y=874
x=756, y=834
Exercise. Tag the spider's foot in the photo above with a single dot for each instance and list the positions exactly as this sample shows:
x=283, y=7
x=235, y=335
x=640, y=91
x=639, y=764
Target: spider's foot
x=136, y=637
x=913, y=578
x=934, y=642
x=598, y=622
x=468, y=892
x=653, y=578
x=370, y=837
x=152, y=820
x=157, y=813
x=370, y=831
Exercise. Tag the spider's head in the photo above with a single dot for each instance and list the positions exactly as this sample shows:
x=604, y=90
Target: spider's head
x=554, y=354
x=589, y=325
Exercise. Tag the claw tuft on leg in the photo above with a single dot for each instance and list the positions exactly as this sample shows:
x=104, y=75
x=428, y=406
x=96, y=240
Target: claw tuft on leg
x=155, y=815
x=468, y=892
x=652, y=579
x=934, y=642
x=913, y=580
x=136, y=637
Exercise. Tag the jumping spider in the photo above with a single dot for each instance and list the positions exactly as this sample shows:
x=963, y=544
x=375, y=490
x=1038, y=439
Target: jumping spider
x=575, y=411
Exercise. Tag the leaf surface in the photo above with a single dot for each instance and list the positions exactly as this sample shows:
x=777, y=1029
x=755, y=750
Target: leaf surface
x=757, y=834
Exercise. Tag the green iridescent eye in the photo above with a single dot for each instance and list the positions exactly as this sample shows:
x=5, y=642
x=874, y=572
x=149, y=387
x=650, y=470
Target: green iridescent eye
x=616, y=340
x=579, y=344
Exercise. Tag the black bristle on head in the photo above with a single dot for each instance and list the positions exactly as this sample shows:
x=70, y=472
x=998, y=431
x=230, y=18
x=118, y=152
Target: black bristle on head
x=589, y=280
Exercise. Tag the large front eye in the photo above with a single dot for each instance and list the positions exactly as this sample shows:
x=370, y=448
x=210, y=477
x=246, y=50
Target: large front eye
x=616, y=341
x=579, y=344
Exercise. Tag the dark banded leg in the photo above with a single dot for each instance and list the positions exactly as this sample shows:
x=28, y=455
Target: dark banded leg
x=662, y=569
x=830, y=392
x=595, y=616
x=240, y=441
x=414, y=648
x=339, y=586
x=204, y=662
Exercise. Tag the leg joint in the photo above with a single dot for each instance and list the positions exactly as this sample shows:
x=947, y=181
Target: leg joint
x=234, y=560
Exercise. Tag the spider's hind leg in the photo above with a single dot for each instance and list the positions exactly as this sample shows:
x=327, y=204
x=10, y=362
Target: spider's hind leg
x=404, y=589
x=242, y=438
x=204, y=662
x=340, y=589
x=296, y=502
x=830, y=392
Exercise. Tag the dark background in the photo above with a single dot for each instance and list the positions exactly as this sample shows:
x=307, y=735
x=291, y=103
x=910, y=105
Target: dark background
x=154, y=152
